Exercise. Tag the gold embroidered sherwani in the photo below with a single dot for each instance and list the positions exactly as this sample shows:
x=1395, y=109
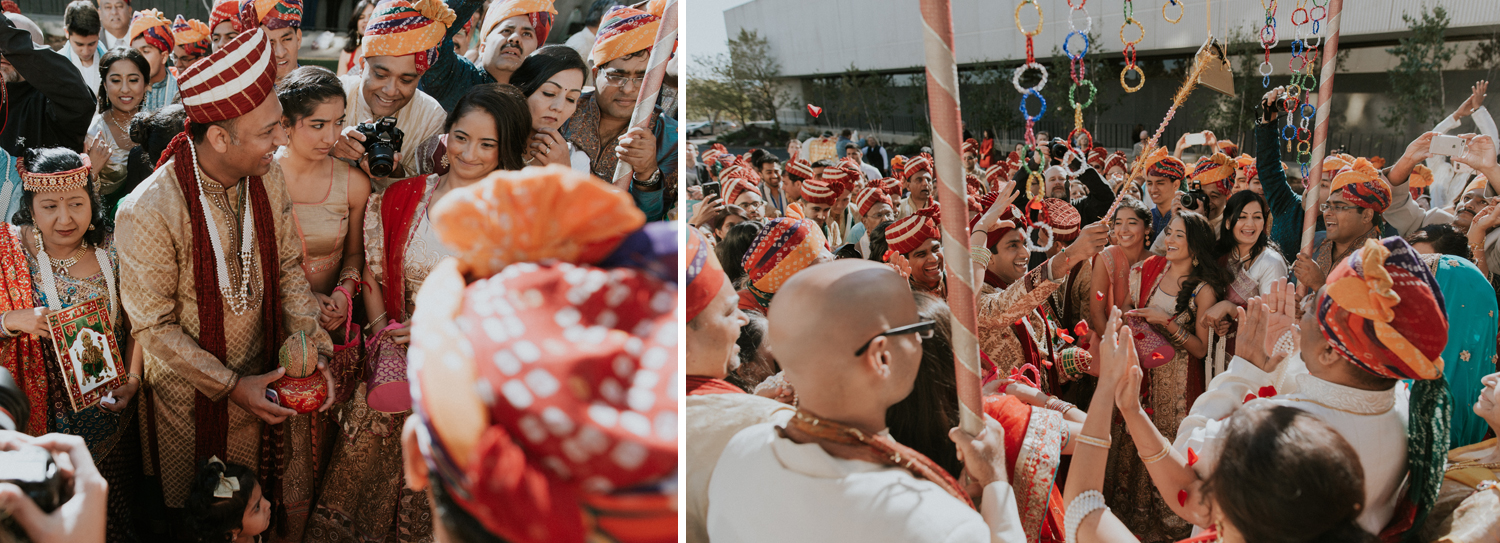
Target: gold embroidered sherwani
x=1000, y=309
x=153, y=234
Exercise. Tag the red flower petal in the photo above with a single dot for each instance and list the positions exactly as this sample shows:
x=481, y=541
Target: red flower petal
x=1019, y=321
x=1266, y=391
x=1249, y=397
x=1098, y=295
x=1182, y=496
x=1036, y=204
x=1082, y=329
x=814, y=110
x=1192, y=457
x=1140, y=336
x=1157, y=356
x=1067, y=338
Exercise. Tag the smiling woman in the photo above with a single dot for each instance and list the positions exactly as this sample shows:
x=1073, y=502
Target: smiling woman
x=121, y=89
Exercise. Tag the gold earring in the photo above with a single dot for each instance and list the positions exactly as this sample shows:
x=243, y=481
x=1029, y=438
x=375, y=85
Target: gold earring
x=91, y=228
x=444, y=161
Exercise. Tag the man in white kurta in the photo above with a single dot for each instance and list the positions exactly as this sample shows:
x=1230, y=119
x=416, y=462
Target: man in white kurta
x=1373, y=422
x=832, y=473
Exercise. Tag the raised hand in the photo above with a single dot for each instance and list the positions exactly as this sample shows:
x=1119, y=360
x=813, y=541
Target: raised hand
x=1281, y=319
x=1249, y=341
x=1474, y=102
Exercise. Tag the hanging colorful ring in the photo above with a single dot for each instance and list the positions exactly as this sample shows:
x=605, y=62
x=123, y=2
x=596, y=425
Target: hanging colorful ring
x=1164, y=11
x=1138, y=72
x=1039, y=18
x=1015, y=77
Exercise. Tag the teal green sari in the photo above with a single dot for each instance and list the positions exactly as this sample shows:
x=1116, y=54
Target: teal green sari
x=1470, y=354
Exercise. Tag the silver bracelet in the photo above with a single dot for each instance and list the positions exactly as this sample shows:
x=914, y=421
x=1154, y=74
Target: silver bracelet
x=1081, y=506
x=5, y=330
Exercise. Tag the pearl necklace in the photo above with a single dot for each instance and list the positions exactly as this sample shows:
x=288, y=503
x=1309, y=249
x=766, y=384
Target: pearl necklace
x=49, y=280
x=238, y=295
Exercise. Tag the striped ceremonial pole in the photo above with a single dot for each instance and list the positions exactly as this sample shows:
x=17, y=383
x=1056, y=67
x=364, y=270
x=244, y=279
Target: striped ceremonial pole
x=656, y=69
x=1320, y=130
x=942, y=104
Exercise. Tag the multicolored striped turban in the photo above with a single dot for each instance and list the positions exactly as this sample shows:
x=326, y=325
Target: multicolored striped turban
x=1215, y=169
x=909, y=233
x=271, y=14
x=898, y=164
x=400, y=28
x=192, y=35
x=799, y=169
x=231, y=81
x=1384, y=312
x=1363, y=186
x=154, y=27
x=868, y=198
x=1227, y=147
x=705, y=276
x=919, y=163
x=784, y=247
x=1162, y=164
x=539, y=12
x=1421, y=176
x=226, y=11
x=623, y=31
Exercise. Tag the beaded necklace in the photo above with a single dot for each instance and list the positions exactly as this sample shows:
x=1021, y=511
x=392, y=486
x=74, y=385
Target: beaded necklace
x=237, y=295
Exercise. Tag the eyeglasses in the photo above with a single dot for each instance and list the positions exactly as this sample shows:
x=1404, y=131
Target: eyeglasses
x=616, y=79
x=1325, y=206
x=921, y=329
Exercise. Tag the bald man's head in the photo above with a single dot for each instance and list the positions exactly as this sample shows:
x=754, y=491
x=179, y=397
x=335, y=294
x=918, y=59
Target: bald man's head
x=822, y=316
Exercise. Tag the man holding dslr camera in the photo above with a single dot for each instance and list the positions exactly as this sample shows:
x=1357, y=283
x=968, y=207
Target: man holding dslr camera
x=396, y=56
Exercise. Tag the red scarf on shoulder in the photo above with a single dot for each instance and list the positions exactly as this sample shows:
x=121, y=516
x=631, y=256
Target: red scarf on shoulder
x=22, y=355
x=398, y=212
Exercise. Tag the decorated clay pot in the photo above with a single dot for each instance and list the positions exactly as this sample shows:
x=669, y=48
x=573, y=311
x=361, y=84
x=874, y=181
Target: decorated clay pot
x=303, y=394
x=298, y=359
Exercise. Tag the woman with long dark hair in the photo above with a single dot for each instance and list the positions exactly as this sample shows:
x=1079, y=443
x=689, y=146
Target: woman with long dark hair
x=357, y=20
x=1111, y=270
x=122, y=86
x=364, y=495
x=1168, y=295
x=1244, y=237
x=56, y=253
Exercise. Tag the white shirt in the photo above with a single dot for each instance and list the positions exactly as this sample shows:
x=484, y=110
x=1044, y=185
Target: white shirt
x=111, y=42
x=1373, y=422
x=871, y=172
x=712, y=420
x=583, y=42
x=1267, y=268
x=91, y=72
x=768, y=488
x=1447, y=183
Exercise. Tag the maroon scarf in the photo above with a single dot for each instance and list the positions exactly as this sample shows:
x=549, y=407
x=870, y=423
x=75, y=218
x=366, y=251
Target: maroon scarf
x=211, y=432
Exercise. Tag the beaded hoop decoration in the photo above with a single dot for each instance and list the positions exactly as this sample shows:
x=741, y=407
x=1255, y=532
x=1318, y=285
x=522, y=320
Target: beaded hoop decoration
x=76, y=178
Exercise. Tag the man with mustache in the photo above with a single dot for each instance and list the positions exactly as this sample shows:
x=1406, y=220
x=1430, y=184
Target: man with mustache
x=511, y=30
x=600, y=127
x=48, y=104
x=400, y=43
x=1352, y=215
x=211, y=340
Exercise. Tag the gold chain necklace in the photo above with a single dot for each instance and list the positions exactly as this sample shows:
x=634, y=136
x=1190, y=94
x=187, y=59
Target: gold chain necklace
x=63, y=263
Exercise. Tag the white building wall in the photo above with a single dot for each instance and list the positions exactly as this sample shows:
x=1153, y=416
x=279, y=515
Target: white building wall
x=812, y=37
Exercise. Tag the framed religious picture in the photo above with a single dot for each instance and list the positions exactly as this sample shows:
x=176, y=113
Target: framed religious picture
x=90, y=359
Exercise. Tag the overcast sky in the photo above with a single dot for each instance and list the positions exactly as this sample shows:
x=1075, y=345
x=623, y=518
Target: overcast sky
x=705, y=26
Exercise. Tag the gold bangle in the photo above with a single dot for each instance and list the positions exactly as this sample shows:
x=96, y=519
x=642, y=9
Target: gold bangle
x=1166, y=449
x=1091, y=440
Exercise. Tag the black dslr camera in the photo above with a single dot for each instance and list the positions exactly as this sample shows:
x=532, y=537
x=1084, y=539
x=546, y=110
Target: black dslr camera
x=382, y=141
x=31, y=468
x=1194, y=198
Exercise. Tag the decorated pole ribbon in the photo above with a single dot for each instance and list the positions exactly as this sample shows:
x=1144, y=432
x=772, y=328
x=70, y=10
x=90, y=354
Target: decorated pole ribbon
x=942, y=100
x=1320, y=130
x=656, y=70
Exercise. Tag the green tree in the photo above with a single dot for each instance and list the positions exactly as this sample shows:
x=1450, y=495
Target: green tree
x=712, y=97
x=1485, y=56
x=1417, y=80
x=746, y=81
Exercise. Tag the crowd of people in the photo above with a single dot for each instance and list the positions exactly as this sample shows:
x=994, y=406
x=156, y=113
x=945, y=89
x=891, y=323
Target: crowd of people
x=418, y=205
x=1160, y=360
